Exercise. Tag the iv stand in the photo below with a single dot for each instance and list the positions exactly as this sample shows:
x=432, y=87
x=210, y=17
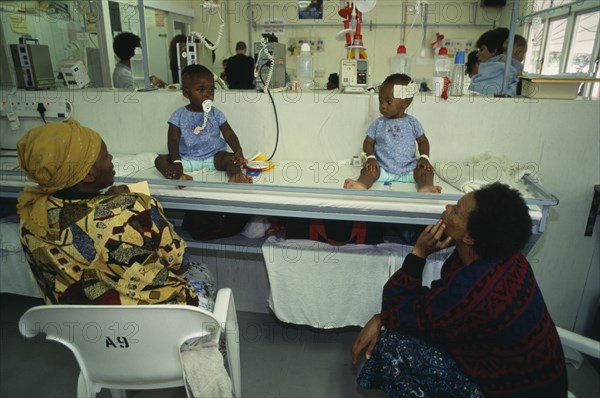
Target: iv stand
x=147, y=85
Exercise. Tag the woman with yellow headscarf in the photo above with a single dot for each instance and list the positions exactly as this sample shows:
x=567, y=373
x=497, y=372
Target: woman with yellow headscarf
x=89, y=247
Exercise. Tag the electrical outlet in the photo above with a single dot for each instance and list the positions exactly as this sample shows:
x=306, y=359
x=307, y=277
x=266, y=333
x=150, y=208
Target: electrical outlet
x=54, y=109
x=28, y=107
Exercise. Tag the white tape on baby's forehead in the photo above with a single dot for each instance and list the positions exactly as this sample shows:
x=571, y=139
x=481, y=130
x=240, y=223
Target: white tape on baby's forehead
x=405, y=91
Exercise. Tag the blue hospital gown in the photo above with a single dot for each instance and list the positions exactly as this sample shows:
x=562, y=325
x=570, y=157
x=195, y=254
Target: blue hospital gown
x=208, y=142
x=395, y=142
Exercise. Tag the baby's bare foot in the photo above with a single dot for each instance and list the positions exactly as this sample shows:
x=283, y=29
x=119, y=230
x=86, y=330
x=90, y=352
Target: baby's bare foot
x=431, y=189
x=240, y=177
x=352, y=184
x=185, y=177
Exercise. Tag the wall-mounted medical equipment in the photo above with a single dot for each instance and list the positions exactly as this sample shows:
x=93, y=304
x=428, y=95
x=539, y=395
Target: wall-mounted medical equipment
x=187, y=54
x=354, y=75
x=74, y=73
x=266, y=56
x=33, y=65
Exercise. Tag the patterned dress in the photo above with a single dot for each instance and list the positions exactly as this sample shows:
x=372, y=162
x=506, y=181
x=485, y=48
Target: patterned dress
x=395, y=142
x=112, y=249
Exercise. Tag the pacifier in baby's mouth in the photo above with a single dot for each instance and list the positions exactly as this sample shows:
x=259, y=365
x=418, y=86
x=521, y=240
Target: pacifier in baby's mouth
x=206, y=107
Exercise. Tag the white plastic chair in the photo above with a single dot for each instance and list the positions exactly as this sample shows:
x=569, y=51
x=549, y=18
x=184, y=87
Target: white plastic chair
x=135, y=347
x=574, y=345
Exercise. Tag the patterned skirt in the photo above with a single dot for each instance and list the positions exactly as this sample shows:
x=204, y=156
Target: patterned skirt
x=203, y=282
x=404, y=366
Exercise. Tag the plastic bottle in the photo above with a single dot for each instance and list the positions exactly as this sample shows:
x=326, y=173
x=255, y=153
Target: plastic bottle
x=458, y=75
x=441, y=70
x=441, y=65
x=400, y=63
x=304, y=68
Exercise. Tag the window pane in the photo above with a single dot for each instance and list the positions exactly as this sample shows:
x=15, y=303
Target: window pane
x=554, y=47
x=533, y=57
x=596, y=87
x=67, y=28
x=582, y=46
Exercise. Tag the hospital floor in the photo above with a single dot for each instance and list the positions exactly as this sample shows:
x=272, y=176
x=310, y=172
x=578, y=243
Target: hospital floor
x=277, y=360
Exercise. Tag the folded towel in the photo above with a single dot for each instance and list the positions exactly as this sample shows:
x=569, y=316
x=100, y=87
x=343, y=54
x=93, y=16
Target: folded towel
x=205, y=373
x=324, y=286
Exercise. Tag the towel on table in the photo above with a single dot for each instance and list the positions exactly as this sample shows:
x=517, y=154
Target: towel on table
x=324, y=286
x=15, y=273
x=205, y=373
x=471, y=174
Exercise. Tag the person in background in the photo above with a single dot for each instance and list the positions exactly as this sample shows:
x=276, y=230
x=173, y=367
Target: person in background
x=483, y=328
x=80, y=249
x=194, y=135
x=333, y=81
x=489, y=79
x=472, y=65
x=390, y=141
x=174, y=56
x=490, y=43
x=124, y=45
x=518, y=54
x=223, y=74
x=240, y=69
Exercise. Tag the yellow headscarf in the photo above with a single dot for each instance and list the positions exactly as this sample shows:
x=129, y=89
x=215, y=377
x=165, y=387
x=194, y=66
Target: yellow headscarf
x=55, y=156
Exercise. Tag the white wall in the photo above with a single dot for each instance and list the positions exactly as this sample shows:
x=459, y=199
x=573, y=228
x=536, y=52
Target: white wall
x=562, y=138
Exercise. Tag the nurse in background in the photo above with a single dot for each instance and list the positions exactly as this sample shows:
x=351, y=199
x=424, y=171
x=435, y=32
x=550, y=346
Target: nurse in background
x=124, y=45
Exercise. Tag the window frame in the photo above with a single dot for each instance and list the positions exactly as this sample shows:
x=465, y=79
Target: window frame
x=570, y=12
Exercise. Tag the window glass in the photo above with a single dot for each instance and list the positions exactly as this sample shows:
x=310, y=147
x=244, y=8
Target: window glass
x=582, y=45
x=533, y=57
x=66, y=28
x=554, y=47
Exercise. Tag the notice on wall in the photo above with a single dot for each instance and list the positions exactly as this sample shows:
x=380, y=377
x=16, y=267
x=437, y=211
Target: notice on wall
x=18, y=24
x=275, y=27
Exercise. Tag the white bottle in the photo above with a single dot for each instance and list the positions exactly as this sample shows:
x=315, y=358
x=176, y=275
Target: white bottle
x=441, y=64
x=304, y=68
x=400, y=63
x=441, y=70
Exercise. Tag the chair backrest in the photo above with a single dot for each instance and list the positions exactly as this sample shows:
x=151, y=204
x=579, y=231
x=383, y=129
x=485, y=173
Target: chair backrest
x=121, y=346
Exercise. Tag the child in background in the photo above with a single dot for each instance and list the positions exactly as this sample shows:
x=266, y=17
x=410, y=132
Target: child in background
x=194, y=139
x=472, y=65
x=518, y=54
x=390, y=141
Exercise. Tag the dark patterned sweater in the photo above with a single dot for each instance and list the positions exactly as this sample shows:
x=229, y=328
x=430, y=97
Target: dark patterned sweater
x=490, y=316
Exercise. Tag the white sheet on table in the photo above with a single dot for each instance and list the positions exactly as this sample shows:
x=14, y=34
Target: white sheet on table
x=468, y=175
x=324, y=286
x=15, y=274
x=129, y=165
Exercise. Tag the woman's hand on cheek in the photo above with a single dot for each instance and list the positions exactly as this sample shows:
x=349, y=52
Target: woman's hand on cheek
x=117, y=190
x=431, y=241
